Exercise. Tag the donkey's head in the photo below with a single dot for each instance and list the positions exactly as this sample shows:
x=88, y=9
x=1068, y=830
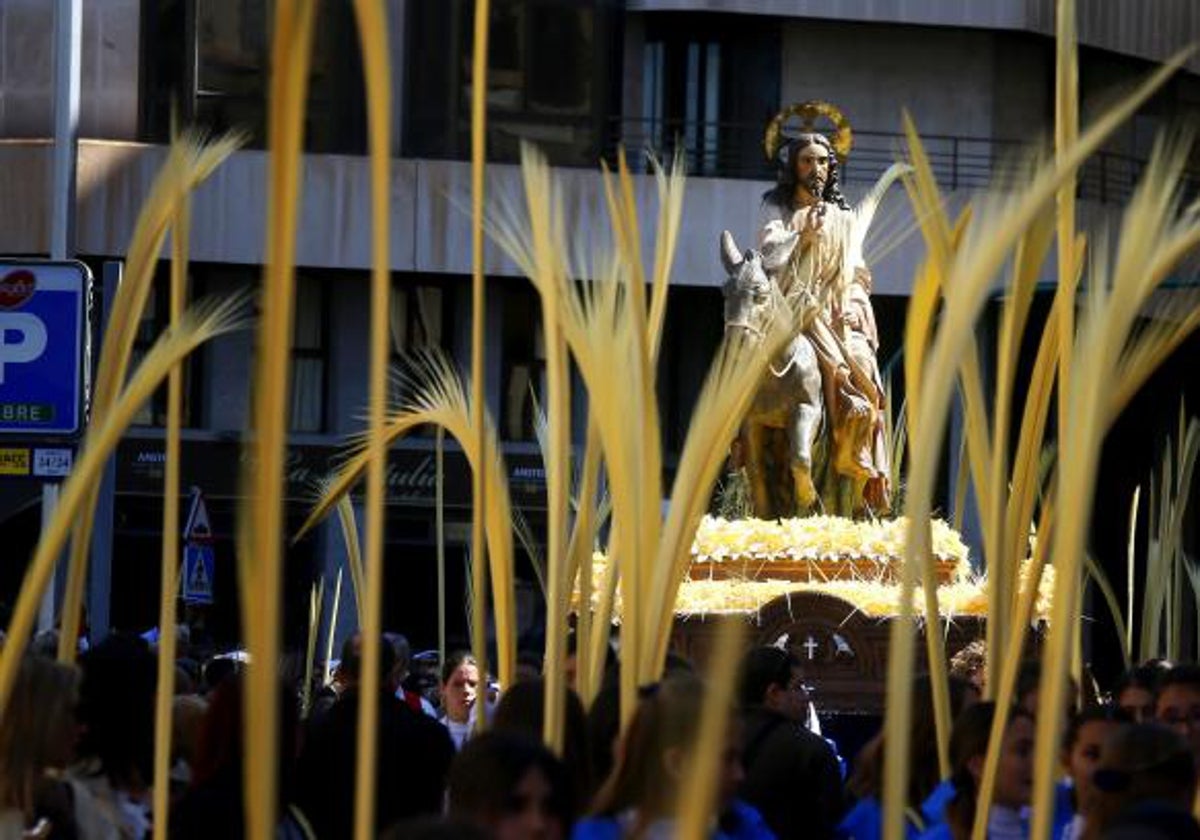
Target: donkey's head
x=751, y=294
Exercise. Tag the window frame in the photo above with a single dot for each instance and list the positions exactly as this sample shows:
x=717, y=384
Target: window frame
x=157, y=317
x=321, y=353
x=335, y=113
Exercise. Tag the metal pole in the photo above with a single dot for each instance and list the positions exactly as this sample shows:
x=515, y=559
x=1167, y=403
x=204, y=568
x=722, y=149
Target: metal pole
x=68, y=24
x=441, y=546
x=191, y=65
x=954, y=163
x=49, y=606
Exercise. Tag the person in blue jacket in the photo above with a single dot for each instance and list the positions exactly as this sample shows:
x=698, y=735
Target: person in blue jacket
x=1008, y=817
x=865, y=820
x=640, y=799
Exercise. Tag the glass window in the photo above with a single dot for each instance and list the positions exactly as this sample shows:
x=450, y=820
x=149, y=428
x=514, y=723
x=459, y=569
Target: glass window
x=539, y=79
x=652, y=83
x=553, y=70
x=156, y=317
x=682, y=94
x=555, y=86
x=421, y=316
x=418, y=317
x=310, y=344
x=232, y=65
x=540, y=57
x=211, y=61
x=506, y=51
x=709, y=84
x=524, y=363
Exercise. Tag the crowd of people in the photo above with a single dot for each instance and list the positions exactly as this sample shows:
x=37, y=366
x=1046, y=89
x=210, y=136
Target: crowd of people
x=76, y=754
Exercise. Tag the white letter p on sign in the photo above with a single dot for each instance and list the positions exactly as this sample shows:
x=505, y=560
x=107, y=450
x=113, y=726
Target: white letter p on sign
x=31, y=343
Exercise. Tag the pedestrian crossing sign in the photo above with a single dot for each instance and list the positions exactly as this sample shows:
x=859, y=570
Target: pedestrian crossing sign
x=197, y=574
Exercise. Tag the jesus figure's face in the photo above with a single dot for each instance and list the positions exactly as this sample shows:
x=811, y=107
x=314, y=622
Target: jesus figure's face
x=812, y=169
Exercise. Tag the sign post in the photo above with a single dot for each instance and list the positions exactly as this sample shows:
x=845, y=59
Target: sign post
x=44, y=334
x=68, y=60
x=47, y=610
x=198, y=557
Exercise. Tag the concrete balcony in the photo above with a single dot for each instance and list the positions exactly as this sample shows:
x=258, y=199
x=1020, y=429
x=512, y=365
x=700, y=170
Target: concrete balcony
x=430, y=225
x=1152, y=31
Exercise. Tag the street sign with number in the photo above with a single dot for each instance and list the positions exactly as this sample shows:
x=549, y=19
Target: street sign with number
x=52, y=462
x=43, y=347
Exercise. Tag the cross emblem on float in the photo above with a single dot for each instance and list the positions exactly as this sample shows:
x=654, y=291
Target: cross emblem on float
x=810, y=646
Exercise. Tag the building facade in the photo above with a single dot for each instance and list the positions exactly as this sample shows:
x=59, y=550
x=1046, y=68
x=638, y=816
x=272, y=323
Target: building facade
x=577, y=77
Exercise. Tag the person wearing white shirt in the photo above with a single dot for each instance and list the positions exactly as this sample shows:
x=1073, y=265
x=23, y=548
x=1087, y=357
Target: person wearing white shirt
x=460, y=689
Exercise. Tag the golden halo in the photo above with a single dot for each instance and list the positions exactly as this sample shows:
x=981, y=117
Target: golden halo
x=808, y=112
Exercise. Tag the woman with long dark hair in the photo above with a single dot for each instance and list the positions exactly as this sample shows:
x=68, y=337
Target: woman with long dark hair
x=37, y=736
x=521, y=711
x=1014, y=776
x=510, y=785
x=865, y=820
x=213, y=805
x=640, y=799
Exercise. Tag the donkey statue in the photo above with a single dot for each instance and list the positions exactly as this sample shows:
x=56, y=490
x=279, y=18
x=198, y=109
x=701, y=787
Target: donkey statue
x=789, y=399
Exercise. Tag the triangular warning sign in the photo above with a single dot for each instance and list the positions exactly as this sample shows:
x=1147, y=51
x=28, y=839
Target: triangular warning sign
x=198, y=527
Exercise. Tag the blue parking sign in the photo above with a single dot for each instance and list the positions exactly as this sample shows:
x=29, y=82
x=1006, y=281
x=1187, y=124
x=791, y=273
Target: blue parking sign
x=43, y=346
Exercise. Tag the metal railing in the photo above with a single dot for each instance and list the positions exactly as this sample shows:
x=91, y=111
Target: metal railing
x=734, y=150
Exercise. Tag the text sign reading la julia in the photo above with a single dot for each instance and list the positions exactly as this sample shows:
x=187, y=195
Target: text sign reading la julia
x=43, y=346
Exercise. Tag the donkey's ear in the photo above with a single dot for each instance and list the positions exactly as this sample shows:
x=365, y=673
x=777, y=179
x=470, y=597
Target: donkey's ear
x=777, y=249
x=731, y=257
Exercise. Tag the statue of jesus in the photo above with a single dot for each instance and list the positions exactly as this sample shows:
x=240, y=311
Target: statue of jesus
x=828, y=270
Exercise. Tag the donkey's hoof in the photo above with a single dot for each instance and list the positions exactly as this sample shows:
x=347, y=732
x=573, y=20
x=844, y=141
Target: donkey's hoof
x=806, y=491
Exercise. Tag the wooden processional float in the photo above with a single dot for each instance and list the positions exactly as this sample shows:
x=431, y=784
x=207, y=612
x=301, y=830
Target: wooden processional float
x=828, y=589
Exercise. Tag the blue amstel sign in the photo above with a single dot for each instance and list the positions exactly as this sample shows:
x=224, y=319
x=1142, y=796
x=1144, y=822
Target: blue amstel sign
x=43, y=346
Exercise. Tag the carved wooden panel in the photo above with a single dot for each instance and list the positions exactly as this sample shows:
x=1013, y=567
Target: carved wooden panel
x=844, y=653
